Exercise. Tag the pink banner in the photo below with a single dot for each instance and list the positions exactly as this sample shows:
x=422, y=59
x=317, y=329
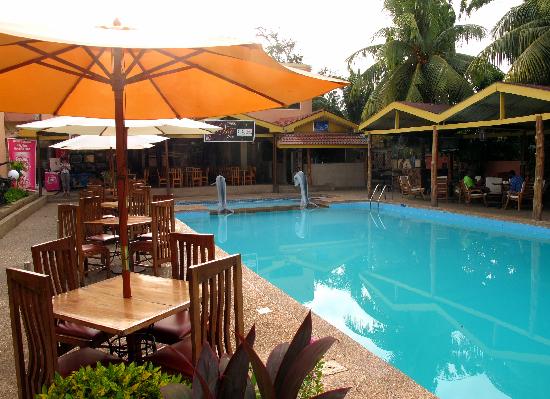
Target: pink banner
x=24, y=151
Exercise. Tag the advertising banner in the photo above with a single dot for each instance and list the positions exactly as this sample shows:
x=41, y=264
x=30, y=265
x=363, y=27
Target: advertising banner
x=232, y=131
x=24, y=151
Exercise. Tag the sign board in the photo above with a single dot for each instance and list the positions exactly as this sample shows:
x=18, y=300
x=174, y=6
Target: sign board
x=232, y=131
x=24, y=151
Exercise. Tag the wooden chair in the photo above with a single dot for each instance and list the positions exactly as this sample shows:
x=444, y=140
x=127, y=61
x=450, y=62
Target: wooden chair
x=32, y=325
x=145, y=179
x=408, y=189
x=176, y=177
x=213, y=287
x=442, y=188
x=90, y=208
x=161, y=179
x=235, y=176
x=187, y=249
x=526, y=194
x=196, y=177
x=163, y=223
x=58, y=260
x=472, y=194
x=250, y=177
x=139, y=201
x=204, y=180
x=70, y=224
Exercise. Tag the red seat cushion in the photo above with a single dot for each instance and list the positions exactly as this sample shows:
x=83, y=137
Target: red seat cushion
x=103, y=237
x=175, y=359
x=173, y=328
x=72, y=361
x=79, y=331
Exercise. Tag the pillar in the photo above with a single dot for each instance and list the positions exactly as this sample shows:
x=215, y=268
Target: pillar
x=435, y=159
x=368, y=160
x=167, y=166
x=244, y=155
x=3, y=149
x=539, y=168
x=309, y=176
x=274, y=166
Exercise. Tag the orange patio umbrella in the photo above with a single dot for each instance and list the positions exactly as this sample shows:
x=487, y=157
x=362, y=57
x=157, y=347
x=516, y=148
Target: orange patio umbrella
x=118, y=72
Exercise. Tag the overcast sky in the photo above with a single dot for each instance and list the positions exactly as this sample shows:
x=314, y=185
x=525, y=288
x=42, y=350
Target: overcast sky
x=326, y=31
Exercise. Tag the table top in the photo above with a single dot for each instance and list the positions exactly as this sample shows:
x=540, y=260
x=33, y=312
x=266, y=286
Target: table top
x=102, y=306
x=110, y=204
x=114, y=221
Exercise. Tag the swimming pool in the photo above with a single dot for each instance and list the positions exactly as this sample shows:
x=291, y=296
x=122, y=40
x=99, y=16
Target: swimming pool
x=460, y=304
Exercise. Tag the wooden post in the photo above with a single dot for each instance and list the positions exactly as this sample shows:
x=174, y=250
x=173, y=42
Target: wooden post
x=118, y=83
x=274, y=166
x=435, y=160
x=309, y=176
x=369, y=164
x=38, y=164
x=167, y=159
x=539, y=168
x=502, y=106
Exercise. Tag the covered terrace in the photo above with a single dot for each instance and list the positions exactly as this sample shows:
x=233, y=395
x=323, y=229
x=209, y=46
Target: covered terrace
x=502, y=109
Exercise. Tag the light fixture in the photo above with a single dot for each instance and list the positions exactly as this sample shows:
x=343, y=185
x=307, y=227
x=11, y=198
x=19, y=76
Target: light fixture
x=13, y=174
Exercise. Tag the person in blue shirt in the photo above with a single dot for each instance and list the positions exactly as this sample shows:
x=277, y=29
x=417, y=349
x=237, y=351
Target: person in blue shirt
x=516, y=182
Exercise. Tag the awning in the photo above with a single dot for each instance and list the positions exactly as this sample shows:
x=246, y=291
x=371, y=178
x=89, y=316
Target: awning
x=322, y=140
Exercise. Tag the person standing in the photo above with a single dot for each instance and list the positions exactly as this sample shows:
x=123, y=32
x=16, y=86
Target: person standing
x=65, y=176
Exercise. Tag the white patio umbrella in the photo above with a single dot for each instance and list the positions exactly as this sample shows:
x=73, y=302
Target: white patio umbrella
x=82, y=143
x=106, y=127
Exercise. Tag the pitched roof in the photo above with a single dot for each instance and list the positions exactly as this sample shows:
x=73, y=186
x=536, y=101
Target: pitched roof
x=322, y=140
x=430, y=107
x=291, y=119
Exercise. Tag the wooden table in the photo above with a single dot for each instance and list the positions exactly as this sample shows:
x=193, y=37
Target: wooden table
x=102, y=306
x=114, y=221
x=110, y=204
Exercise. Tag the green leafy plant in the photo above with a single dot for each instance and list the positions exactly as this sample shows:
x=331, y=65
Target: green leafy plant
x=114, y=381
x=14, y=194
x=19, y=166
x=283, y=376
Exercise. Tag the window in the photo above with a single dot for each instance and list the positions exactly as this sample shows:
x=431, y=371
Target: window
x=320, y=126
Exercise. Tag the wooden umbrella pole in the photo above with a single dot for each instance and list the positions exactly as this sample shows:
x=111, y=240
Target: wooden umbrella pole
x=368, y=160
x=166, y=158
x=122, y=168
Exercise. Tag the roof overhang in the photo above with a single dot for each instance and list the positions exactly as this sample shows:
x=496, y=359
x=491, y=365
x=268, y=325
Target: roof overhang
x=321, y=115
x=399, y=115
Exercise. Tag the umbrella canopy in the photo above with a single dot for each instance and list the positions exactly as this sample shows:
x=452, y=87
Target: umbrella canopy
x=106, y=127
x=118, y=72
x=82, y=143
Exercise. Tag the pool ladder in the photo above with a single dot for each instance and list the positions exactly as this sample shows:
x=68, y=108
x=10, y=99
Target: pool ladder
x=379, y=197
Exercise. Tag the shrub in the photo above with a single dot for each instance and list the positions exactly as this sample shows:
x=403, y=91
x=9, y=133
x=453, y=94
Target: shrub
x=283, y=376
x=14, y=194
x=114, y=381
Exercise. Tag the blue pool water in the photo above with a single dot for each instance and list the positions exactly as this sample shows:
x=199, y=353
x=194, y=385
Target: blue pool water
x=460, y=304
x=247, y=203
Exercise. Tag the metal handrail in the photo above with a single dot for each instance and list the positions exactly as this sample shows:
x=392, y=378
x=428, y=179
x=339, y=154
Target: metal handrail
x=380, y=196
x=372, y=196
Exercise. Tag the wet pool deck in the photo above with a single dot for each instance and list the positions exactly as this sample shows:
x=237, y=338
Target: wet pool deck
x=369, y=376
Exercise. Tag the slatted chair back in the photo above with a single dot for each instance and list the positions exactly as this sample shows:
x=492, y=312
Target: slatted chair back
x=252, y=175
x=162, y=224
x=442, y=187
x=528, y=190
x=146, y=176
x=66, y=220
x=139, y=202
x=57, y=259
x=162, y=197
x=235, y=177
x=404, y=185
x=90, y=209
x=216, y=296
x=196, y=177
x=32, y=324
x=189, y=249
x=97, y=190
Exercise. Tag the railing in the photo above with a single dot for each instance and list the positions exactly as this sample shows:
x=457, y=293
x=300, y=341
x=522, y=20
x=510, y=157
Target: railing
x=380, y=196
x=372, y=196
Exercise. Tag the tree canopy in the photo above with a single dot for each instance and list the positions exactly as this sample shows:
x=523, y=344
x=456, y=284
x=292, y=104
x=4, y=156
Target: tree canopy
x=418, y=61
x=278, y=47
x=521, y=38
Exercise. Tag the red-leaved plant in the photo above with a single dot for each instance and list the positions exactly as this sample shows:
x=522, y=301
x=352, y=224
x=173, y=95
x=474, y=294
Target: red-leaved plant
x=280, y=378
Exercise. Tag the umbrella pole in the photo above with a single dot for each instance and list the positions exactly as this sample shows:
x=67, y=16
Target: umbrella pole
x=122, y=169
x=168, y=190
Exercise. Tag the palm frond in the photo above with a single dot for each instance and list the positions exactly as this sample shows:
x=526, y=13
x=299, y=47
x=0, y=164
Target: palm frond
x=533, y=65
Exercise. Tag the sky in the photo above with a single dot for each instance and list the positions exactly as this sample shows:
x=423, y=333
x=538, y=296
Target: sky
x=326, y=32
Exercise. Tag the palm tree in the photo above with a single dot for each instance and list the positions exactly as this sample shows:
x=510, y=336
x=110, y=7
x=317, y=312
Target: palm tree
x=521, y=39
x=418, y=60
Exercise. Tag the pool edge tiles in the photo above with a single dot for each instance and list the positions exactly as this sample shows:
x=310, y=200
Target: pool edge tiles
x=454, y=219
